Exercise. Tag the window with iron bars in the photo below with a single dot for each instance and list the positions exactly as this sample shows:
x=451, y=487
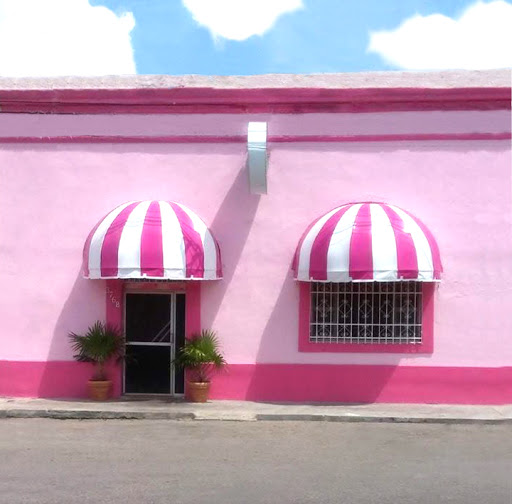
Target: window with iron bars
x=366, y=313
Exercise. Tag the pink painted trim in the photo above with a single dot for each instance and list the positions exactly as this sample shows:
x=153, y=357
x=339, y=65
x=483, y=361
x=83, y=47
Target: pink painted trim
x=427, y=319
x=304, y=316
x=114, y=316
x=114, y=302
x=426, y=347
x=242, y=101
x=192, y=308
x=191, y=288
x=173, y=286
x=400, y=137
x=200, y=139
x=364, y=384
x=292, y=382
x=127, y=139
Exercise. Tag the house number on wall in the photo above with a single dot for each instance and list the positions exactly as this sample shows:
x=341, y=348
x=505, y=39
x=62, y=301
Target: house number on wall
x=113, y=299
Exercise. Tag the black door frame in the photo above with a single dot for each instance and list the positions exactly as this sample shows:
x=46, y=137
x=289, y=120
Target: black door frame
x=172, y=344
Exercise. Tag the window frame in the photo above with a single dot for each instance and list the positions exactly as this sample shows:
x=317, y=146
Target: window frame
x=427, y=329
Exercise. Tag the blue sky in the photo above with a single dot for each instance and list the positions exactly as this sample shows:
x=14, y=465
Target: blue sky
x=323, y=36
x=98, y=37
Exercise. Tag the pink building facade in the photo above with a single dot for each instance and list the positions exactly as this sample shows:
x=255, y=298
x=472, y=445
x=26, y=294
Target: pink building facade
x=402, y=293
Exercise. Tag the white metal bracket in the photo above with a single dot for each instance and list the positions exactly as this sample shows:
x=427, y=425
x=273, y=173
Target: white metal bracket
x=257, y=157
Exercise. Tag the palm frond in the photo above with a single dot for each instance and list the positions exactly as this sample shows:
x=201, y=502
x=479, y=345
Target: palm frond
x=200, y=354
x=98, y=345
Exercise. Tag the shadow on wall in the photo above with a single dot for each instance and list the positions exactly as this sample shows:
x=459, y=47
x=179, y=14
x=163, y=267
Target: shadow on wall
x=68, y=378
x=299, y=381
x=276, y=382
x=86, y=301
x=303, y=382
x=231, y=227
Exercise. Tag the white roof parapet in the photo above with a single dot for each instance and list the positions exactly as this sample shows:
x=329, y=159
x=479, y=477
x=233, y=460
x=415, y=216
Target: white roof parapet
x=257, y=157
x=396, y=79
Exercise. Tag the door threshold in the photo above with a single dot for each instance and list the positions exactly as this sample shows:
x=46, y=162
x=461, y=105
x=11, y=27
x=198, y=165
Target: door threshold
x=153, y=397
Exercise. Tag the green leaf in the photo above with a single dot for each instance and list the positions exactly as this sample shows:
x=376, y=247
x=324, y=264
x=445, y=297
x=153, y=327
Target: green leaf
x=201, y=355
x=98, y=345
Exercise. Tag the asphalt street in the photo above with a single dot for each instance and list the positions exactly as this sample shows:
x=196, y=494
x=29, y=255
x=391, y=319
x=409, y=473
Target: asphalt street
x=106, y=461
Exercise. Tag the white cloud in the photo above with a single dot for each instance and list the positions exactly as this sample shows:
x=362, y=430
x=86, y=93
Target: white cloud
x=239, y=19
x=46, y=38
x=481, y=38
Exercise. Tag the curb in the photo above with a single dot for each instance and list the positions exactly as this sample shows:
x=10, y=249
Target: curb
x=240, y=417
x=96, y=415
x=382, y=419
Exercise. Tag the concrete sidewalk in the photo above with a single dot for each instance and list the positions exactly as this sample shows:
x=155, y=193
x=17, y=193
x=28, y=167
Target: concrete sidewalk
x=252, y=411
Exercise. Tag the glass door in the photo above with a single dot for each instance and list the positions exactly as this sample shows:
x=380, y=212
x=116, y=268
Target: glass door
x=155, y=328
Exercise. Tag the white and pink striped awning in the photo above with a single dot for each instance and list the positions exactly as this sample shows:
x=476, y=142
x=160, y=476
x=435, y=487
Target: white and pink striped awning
x=372, y=242
x=152, y=240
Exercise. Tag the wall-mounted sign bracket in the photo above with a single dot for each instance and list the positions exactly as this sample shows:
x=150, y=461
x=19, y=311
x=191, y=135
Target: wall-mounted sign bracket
x=257, y=157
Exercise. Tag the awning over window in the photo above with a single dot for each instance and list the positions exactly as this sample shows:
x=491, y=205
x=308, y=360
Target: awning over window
x=152, y=240
x=361, y=242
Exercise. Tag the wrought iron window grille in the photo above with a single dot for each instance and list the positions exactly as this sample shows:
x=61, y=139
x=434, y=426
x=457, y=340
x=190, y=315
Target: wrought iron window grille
x=387, y=313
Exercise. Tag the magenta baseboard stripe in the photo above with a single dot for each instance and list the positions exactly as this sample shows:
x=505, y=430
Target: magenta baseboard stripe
x=290, y=382
x=200, y=139
x=50, y=379
x=356, y=383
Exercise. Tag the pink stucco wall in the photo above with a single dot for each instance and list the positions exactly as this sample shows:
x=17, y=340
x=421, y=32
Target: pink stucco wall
x=371, y=123
x=51, y=195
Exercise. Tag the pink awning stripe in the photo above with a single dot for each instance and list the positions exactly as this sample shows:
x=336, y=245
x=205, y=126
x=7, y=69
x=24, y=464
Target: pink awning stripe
x=110, y=247
x=135, y=241
x=219, y=259
x=295, y=261
x=194, y=251
x=361, y=256
x=434, y=248
x=151, y=250
x=407, y=261
x=320, y=248
x=87, y=247
x=384, y=243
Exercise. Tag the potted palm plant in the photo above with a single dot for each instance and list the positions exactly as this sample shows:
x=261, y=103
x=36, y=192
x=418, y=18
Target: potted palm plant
x=199, y=356
x=101, y=343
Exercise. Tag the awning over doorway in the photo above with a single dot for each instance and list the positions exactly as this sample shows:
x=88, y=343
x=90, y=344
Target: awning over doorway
x=367, y=242
x=152, y=240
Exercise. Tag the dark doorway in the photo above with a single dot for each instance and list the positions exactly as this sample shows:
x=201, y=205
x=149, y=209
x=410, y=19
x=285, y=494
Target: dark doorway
x=155, y=330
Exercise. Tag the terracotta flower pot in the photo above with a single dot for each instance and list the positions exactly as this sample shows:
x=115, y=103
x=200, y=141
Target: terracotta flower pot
x=99, y=390
x=198, y=391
